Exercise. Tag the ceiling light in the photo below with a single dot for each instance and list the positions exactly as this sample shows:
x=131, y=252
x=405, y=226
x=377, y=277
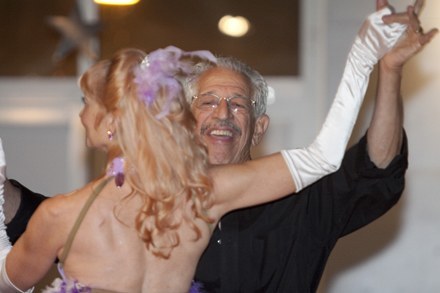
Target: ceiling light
x=116, y=2
x=234, y=26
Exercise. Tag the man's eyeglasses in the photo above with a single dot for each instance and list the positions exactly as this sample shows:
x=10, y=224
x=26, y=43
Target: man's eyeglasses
x=210, y=101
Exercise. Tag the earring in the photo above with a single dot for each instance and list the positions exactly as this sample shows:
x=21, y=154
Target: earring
x=116, y=169
x=109, y=135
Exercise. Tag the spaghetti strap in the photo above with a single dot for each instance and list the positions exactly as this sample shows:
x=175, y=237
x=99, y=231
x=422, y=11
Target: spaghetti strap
x=80, y=218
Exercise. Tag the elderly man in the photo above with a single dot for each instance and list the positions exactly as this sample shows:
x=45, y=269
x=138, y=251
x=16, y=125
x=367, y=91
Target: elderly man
x=283, y=246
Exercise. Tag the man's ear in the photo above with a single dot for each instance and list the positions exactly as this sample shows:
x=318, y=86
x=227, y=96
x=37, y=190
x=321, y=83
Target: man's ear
x=260, y=129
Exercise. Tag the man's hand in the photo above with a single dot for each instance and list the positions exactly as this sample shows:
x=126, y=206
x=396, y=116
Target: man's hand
x=385, y=133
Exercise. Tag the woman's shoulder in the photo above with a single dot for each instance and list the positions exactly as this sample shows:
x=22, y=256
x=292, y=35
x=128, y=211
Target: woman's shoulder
x=56, y=214
x=64, y=204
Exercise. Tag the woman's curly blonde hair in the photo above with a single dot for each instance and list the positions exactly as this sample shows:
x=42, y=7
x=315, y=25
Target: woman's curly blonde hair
x=165, y=163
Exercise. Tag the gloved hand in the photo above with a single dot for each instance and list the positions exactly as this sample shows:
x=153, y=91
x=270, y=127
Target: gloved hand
x=4, y=239
x=5, y=245
x=2, y=171
x=325, y=154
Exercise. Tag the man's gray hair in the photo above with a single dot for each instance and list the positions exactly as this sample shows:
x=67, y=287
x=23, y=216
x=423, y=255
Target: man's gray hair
x=259, y=86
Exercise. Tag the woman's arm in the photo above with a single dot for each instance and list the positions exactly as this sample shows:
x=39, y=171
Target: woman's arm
x=36, y=250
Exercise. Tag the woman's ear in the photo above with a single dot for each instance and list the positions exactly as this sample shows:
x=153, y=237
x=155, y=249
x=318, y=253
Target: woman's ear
x=109, y=122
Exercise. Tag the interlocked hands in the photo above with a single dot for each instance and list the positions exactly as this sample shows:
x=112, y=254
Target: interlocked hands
x=414, y=38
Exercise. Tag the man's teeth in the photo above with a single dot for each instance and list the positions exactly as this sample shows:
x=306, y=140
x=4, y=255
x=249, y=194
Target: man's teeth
x=221, y=133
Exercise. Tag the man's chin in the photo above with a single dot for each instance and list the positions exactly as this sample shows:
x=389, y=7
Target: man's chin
x=219, y=158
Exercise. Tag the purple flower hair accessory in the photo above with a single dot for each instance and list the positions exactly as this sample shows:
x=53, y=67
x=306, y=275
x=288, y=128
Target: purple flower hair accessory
x=116, y=169
x=158, y=70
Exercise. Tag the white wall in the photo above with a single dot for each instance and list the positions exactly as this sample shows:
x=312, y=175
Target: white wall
x=41, y=132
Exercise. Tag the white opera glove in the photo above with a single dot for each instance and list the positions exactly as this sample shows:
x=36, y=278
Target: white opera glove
x=5, y=245
x=325, y=154
x=6, y=285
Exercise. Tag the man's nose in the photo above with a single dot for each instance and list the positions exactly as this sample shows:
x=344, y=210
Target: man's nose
x=223, y=110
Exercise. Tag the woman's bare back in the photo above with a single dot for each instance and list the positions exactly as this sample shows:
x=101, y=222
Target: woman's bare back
x=107, y=252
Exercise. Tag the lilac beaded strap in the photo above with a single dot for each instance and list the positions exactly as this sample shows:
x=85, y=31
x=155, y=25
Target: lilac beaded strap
x=66, y=285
